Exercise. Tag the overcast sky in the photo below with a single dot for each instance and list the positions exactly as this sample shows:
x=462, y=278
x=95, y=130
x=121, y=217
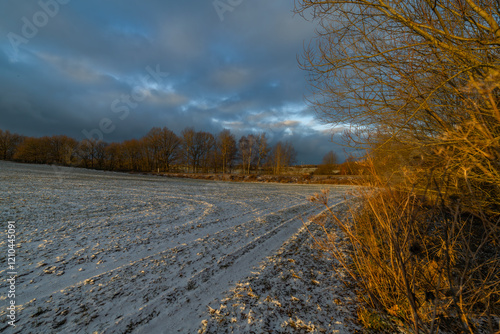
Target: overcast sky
x=117, y=68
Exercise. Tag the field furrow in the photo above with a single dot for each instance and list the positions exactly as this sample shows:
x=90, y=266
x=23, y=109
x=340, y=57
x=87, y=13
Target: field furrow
x=160, y=248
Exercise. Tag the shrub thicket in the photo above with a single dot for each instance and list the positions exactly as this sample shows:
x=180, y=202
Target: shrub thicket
x=421, y=80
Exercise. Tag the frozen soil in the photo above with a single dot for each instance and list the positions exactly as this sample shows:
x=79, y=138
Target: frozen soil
x=116, y=253
x=292, y=291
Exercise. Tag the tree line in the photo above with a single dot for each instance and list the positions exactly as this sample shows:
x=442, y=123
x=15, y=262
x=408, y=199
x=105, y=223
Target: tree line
x=160, y=150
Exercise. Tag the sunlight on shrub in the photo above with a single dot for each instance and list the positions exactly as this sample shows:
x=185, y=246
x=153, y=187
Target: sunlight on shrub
x=427, y=262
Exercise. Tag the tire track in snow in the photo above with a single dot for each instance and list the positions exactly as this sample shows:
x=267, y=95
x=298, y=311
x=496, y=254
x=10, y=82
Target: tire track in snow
x=137, y=250
x=186, y=236
x=127, y=279
x=182, y=303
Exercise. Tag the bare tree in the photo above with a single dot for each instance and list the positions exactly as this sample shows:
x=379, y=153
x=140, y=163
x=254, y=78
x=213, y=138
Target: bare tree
x=282, y=155
x=133, y=154
x=262, y=149
x=169, y=148
x=330, y=160
x=62, y=150
x=207, y=145
x=196, y=147
x=248, y=151
x=151, y=144
x=100, y=154
x=417, y=76
x=91, y=153
x=8, y=144
x=114, y=155
x=190, y=153
x=33, y=150
x=400, y=65
x=227, y=147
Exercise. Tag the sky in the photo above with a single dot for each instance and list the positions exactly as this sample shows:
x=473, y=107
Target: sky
x=114, y=69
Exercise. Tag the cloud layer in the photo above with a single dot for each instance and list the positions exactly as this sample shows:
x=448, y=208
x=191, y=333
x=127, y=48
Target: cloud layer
x=67, y=65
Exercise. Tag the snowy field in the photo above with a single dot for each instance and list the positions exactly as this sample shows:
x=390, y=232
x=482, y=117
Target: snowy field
x=118, y=253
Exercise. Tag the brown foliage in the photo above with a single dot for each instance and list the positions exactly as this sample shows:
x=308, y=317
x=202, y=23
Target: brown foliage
x=419, y=261
x=160, y=150
x=8, y=144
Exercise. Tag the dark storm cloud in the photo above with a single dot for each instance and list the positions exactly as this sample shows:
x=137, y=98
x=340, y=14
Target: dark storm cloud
x=88, y=60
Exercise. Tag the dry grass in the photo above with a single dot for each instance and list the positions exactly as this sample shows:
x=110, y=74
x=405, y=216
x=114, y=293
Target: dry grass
x=425, y=252
x=421, y=263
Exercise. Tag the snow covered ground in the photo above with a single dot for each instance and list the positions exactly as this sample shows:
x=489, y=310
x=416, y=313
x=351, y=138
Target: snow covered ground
x=117, y=253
